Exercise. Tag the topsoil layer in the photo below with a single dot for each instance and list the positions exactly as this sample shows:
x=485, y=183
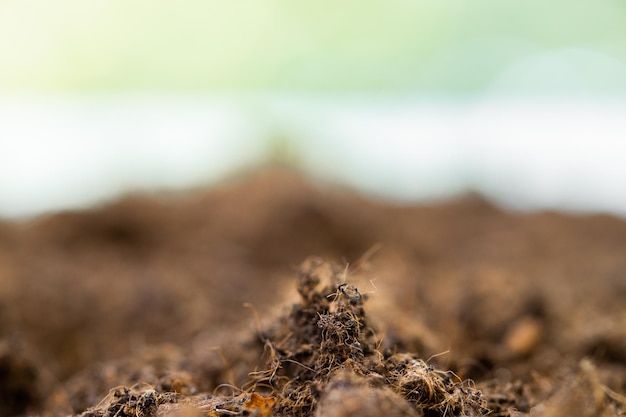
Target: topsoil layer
x=268, y=296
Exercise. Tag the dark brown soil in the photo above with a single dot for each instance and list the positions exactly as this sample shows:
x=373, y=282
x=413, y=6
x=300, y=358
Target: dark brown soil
x=269, y=296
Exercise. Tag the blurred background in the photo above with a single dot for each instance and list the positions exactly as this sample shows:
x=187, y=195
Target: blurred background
x=521, y=101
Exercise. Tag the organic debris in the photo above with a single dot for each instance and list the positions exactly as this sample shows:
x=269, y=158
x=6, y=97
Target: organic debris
x=130, y=402
x=326, y=343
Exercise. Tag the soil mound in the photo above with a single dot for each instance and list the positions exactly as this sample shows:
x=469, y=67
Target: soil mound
x=323, y=351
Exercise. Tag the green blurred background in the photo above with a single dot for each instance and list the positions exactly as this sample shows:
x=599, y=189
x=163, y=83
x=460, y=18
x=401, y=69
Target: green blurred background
x=522, y=101
x=449, y=47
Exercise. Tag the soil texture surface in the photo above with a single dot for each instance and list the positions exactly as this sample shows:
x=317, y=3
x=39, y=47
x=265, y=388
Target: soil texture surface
x=272, y=296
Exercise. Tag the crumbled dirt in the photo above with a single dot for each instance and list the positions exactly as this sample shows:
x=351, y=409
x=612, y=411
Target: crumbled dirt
x=201, y=305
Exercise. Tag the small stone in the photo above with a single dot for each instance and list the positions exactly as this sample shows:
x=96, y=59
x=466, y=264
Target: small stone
x=523, y=337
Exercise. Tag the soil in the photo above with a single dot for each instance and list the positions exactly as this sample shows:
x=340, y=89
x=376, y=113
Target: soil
x=272, y=296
